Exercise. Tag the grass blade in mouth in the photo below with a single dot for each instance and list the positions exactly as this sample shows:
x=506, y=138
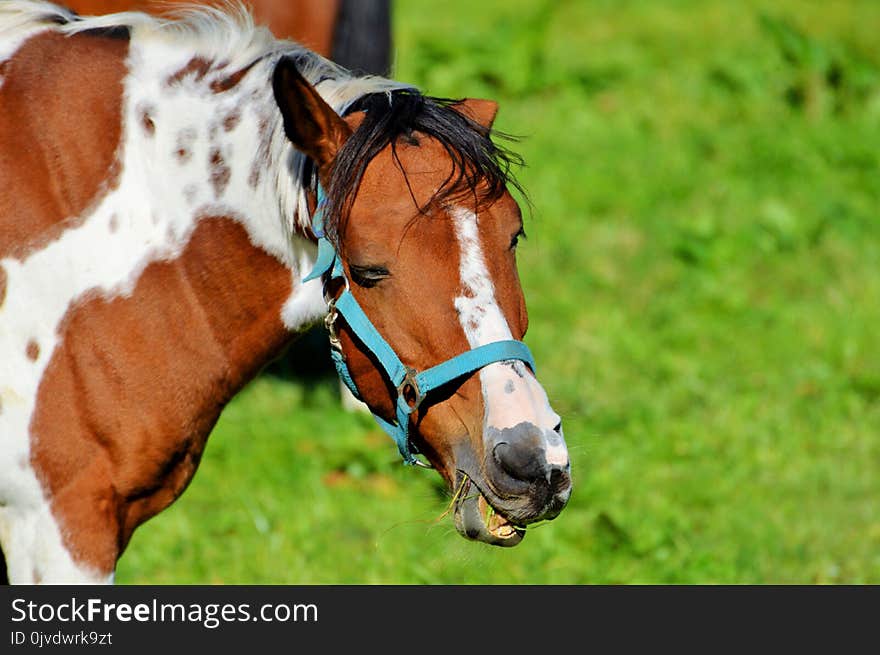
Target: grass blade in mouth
x=465, y=482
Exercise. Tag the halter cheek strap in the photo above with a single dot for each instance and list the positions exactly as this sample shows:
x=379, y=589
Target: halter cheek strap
x=411, y=386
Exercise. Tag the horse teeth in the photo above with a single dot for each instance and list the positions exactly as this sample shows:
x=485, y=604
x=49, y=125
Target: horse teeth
x=505, y=531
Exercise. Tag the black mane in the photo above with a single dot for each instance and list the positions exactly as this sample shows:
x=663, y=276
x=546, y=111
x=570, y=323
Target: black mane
x=481, y=168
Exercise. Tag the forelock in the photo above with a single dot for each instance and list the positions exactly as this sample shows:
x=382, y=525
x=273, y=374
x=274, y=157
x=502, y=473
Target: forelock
x=480, y=168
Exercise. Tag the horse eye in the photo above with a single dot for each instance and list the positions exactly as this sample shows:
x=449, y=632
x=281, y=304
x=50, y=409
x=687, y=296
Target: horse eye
x=368, y=276
x=516, y=237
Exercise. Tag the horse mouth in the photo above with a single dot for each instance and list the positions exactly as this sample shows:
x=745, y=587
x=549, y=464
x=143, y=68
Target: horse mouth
x=476, y=519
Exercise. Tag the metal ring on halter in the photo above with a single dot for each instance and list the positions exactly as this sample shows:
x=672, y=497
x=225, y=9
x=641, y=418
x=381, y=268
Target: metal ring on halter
x=330, y=324
x=410, y=382
x=330, y=319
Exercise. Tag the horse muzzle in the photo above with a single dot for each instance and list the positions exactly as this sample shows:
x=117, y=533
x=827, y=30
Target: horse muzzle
x=516, y=486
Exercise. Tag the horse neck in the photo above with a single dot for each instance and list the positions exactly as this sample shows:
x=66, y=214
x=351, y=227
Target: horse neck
x=205, y=150
x=228, y=166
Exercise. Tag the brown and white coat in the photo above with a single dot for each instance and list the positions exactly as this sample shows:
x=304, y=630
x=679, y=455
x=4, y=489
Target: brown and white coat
x=174, y=152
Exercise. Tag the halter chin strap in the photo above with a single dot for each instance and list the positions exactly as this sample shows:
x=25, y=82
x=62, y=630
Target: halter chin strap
x=412, y=386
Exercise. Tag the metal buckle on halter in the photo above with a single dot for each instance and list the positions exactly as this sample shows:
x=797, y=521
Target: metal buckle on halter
x=330, y=319
x=330, y=324
x=409, y=383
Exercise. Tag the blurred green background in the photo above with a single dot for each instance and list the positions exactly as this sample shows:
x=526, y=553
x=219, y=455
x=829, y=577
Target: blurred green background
x=703, y=278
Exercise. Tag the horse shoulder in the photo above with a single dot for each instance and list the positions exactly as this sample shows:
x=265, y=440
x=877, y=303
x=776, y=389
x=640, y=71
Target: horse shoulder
x=138, y=381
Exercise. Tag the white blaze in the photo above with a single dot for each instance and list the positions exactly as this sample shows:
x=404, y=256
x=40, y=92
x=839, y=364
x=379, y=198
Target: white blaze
x=511, y=393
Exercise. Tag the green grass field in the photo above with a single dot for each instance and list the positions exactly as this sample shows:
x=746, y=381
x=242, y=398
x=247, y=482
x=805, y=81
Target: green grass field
x=703, y=278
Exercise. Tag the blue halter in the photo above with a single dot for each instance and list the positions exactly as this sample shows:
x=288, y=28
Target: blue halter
x=412, y=386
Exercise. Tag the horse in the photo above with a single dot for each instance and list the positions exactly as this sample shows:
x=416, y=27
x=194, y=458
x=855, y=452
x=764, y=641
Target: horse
x=179, y=199
x=353, y=33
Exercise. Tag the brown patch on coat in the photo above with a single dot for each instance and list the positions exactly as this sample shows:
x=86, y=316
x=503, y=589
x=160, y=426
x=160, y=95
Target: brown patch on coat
x=60, y=126
x=120, y=422
x=3, y=278
x=219, y=172
x=32, y=350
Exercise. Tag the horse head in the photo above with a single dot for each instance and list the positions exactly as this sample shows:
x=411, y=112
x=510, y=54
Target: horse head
x=423, y=233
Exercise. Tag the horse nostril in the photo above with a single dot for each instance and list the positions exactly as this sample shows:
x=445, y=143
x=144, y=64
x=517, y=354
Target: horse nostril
x=518, y=461
x=558, y=428
x=527, y=453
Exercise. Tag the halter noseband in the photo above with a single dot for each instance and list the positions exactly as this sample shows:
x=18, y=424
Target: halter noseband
x=412, y=386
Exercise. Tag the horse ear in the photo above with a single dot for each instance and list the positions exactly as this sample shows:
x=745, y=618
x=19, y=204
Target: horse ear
x=310, y=123
x=480, y=111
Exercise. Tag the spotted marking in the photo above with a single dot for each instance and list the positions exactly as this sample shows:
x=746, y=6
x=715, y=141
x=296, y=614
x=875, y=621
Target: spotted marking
x=230, y=81
x=147, y=123
x=219, y=172
x=186, y=139
x=195, y=70
x=232, y=119
x=33, y=350
x=114, y=222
